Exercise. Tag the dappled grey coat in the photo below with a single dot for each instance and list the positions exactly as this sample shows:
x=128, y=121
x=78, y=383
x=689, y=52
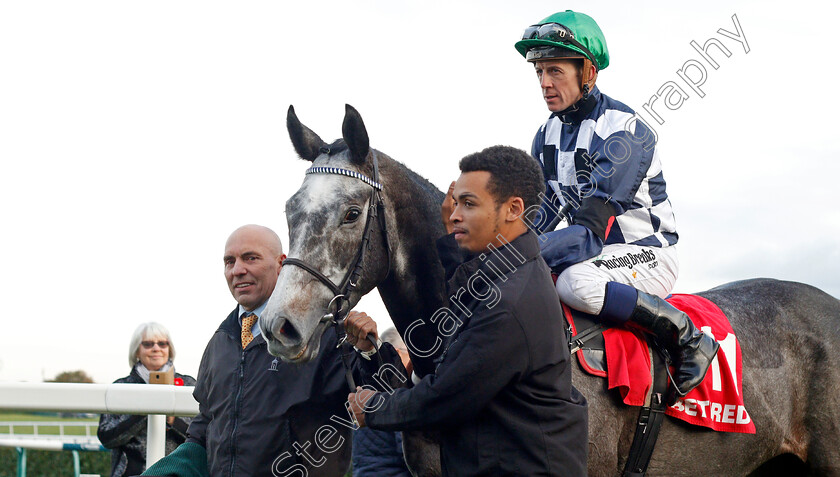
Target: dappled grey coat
x=125, y=434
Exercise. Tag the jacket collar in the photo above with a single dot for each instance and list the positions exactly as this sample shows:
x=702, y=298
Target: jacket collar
x=498, y=263
x=232, y=328
x=579, y=111
x=134, y=375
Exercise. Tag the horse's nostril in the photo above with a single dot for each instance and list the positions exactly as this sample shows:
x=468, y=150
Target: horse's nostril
x=289, y=331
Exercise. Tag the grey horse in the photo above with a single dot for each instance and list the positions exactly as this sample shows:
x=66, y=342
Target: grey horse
x=789, y=332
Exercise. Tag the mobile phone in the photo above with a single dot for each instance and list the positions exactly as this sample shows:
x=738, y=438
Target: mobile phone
x=164, y=377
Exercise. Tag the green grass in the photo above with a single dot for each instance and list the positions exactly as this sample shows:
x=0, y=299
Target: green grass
x=48, y=430
x=22, y=416
x=44, y=430
x=51, y=463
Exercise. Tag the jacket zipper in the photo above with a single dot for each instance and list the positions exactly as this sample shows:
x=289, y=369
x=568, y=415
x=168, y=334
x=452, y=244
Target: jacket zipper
x=236, y=405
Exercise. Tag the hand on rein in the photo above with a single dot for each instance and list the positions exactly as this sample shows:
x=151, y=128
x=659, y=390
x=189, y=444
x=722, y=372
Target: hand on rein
x=358, y=325
x=358, y=400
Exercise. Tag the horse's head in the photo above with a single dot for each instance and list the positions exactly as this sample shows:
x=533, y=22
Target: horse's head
x=327, y=218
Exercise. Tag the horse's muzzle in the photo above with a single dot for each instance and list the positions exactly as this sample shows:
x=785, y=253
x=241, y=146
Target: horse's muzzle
x=282, y=330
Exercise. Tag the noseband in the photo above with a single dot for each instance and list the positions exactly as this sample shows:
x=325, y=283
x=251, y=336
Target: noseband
x=341, y=292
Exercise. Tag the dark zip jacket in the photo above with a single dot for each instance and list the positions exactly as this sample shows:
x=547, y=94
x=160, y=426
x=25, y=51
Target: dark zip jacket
x=502, y=394
x=254, y=408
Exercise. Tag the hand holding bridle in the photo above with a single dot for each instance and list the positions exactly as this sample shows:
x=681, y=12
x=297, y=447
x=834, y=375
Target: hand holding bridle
x=358, y=325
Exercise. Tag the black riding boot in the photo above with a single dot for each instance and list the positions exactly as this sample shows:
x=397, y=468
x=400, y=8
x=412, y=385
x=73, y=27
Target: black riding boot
x=691, y=350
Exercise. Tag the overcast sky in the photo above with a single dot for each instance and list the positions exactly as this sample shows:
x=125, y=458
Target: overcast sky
x=135, y=136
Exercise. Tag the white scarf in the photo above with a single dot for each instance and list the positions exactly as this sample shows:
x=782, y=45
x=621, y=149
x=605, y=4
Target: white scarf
x=143, y=371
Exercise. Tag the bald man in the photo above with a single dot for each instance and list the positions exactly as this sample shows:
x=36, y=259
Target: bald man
x=260, y=416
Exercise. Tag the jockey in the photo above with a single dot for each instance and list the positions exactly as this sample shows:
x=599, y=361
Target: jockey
x=617, y=258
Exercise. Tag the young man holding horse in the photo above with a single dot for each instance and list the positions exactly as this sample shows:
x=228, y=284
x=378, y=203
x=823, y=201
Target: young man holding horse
x=617, y=258
x=254, y=409
x=501, y=395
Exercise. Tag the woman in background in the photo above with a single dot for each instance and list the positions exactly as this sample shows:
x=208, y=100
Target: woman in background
x=150, y=350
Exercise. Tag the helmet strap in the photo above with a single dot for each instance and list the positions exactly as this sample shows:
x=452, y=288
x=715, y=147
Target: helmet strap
x=586, y=80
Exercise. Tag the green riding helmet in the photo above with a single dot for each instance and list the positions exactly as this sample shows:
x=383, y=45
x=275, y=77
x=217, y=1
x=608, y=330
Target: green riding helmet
x=565, y=35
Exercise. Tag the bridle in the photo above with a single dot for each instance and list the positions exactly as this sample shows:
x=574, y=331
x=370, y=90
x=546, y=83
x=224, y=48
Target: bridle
x=339, y=305
x=376, y=213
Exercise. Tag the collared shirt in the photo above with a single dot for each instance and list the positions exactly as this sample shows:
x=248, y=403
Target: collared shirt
x=255, y=329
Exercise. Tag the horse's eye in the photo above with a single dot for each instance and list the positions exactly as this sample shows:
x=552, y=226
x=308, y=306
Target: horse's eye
x=352, y=215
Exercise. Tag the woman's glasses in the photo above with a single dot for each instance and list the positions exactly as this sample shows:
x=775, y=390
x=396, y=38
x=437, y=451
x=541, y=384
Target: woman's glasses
x=150, y=344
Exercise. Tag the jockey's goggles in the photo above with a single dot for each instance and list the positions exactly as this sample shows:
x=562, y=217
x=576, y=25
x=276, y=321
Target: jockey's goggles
x=555, y=32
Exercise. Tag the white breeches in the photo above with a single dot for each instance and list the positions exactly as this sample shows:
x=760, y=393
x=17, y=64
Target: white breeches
x=652, y=270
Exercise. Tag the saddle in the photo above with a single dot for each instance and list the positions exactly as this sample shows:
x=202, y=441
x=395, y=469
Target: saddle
x=586, y=338
x=630, y=361
x=624, y=356
x=587, y=341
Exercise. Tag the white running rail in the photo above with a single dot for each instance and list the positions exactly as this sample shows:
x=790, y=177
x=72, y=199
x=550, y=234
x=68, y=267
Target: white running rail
x=156, y=400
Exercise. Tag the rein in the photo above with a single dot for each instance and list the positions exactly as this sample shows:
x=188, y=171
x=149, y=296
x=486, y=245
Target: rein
x=341, y=292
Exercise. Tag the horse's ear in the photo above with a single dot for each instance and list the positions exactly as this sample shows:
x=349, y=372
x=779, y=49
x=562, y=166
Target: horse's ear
x=355, y=135
x=307, y=143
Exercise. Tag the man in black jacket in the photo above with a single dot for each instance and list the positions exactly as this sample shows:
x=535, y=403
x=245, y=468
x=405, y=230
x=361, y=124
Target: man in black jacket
x=501, y=395
x=259, y=416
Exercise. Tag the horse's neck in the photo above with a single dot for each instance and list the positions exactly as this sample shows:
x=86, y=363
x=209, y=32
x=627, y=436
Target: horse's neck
x=412, y=296
x=414, y=288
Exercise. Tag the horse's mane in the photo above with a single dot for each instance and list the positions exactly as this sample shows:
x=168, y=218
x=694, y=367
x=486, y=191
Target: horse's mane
x=431, y=195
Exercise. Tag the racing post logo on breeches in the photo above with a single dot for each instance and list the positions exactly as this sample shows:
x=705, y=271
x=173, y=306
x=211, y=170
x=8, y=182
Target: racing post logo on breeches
x=628, y=260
